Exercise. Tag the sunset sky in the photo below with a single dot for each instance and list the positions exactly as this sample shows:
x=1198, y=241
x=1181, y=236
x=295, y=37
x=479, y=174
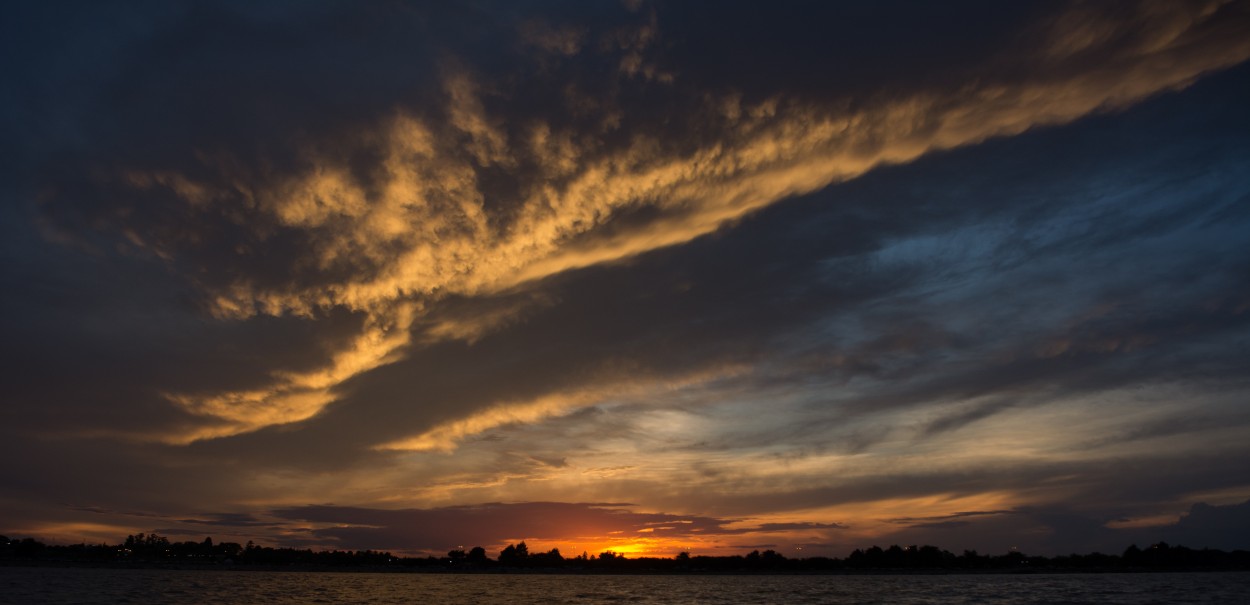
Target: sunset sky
x=640, y=276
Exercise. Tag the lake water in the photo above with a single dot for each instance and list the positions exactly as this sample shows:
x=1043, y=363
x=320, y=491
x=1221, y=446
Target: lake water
x=148, y=586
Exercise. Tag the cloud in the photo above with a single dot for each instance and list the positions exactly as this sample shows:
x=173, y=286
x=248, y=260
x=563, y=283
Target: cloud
x=1210, y=526
x=498, y=523
x=775, y=527
x=406, y=206
x=445, y=437
x=1060, y=529
x=231, y=520
x=405, y=259
x=945, y=521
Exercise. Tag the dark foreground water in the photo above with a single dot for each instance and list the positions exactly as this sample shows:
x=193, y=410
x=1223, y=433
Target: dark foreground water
x=148, y=586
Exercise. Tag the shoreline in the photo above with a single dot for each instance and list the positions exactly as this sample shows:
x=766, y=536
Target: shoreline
x=607, y=572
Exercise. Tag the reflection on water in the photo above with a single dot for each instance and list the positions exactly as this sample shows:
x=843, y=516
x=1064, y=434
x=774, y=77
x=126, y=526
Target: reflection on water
x=149, y=586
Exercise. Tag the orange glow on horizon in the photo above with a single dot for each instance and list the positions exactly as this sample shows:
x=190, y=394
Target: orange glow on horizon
x=649, y=542
x=74, y=533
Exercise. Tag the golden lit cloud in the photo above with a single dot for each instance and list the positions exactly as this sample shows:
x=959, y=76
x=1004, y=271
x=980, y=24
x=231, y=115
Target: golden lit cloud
x=446, y=437
x=295, y=396
x=630, y=280
x=420, y=229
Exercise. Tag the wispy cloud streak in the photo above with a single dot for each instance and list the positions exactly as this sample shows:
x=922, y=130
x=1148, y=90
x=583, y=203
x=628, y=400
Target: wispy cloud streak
x=420, y=221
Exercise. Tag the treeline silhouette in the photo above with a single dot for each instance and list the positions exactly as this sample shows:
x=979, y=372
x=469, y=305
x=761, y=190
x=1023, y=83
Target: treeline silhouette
x=152, y=549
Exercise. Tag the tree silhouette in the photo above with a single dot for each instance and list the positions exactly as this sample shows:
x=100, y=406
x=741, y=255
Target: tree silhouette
x=456, y=557
x=155, y=549
x=514, y=554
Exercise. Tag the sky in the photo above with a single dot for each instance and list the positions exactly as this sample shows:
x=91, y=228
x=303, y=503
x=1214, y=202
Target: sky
x=637, y=276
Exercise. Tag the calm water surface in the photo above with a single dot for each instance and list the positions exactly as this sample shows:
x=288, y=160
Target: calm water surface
x=149, y=586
